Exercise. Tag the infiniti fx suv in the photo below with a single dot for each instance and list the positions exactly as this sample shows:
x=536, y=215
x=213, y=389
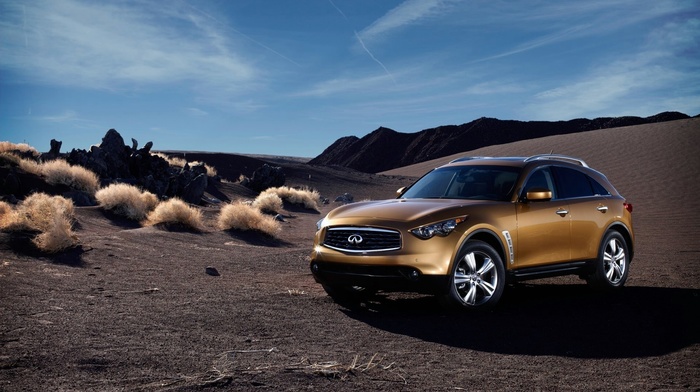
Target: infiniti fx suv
x=466, y=229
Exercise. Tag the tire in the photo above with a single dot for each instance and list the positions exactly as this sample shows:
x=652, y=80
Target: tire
x=477, y=278
x=612, y=264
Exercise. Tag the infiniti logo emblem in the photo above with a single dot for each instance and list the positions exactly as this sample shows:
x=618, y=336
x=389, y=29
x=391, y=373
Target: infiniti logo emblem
x=355, y=239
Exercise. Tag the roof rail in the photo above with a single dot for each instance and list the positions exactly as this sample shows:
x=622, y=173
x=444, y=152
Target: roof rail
x=556, y=157
x=463, y=159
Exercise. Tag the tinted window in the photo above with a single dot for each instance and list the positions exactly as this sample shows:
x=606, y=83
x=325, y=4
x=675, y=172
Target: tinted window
x=573, y=183
x=542, y=179
x=597, y=188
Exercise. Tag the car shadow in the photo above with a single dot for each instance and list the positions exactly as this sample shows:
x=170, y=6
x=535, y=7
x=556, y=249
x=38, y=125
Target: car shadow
x=562, y=320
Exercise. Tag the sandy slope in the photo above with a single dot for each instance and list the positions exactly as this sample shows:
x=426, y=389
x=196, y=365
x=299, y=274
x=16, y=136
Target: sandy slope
x=133, y=309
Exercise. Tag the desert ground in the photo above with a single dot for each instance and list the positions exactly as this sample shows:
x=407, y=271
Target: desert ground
x=132, y=308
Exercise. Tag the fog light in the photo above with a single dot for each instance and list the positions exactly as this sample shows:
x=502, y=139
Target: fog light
x=314, y=268
x=414, y=275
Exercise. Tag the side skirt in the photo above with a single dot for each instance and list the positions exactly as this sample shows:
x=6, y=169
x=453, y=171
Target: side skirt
x=546, y=271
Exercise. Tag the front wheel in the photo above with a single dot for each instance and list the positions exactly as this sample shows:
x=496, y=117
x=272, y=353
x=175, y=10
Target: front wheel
x=612, y=264
x=478, y=277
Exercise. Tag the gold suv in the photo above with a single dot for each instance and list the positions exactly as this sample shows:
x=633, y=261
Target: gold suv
x=465, y=229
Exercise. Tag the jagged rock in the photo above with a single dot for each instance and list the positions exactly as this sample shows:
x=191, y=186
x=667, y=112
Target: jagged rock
x=147, y=147
x=134, y=144
x=54, y=152
x=194, y=190
x=345, y=198
x=266, y=177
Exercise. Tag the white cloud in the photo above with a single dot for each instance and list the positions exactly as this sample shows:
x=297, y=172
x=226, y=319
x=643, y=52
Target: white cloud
x=117, y=46
x=408, y=12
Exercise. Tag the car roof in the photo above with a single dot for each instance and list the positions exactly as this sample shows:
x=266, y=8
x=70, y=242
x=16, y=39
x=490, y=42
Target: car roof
x=516, y=161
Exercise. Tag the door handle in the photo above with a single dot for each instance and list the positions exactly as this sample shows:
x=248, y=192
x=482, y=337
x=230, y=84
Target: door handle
x=562, y=212
x=602, y=209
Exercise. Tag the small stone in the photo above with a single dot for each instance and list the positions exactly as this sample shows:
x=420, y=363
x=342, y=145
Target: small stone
x=212, y=271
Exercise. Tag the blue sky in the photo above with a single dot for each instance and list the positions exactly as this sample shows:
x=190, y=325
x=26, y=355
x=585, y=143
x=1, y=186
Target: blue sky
x=289, y=77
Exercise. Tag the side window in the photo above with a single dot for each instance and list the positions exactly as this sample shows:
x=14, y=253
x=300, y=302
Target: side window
x=597, y=188
x=573, y=183
x=541, y=178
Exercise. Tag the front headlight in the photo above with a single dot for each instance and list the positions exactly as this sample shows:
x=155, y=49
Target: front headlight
x=442, y=229
x=320, y=223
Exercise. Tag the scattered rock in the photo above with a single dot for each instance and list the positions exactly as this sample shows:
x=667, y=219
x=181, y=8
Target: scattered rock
x=345, y=198
x=212, y=271
x=266, y=177
x=279, y=218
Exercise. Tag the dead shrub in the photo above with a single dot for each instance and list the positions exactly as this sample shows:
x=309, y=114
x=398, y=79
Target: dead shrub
x=57, y=237
x=180, y=162
x=77, y=177
x=30, y=166
x=8, y=158
x=175, y=212
x=268, y=202
x=21, y=147
x=239, y=216
x=307, y=198
x=50, y=216
x=6, y=214
x=126, y=200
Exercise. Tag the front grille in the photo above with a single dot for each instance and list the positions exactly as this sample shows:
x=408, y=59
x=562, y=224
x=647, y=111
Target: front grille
x=362, y=239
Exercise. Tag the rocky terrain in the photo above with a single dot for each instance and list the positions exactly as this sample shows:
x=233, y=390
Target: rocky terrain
x=133, y=308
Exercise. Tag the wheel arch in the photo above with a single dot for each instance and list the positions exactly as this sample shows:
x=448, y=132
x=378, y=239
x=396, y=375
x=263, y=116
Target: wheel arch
x=490, y=238
x=624, y=231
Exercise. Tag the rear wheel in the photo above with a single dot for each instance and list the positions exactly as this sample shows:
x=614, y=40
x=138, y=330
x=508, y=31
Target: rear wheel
x=612, y=265
x=478, y=277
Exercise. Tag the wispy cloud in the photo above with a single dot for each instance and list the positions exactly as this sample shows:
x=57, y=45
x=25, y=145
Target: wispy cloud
x=408, y=12
x=614, y=88
x=84, y=44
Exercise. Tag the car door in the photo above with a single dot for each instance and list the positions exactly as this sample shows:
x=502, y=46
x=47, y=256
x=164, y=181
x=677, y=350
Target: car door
x=590, y=210
x=543, y=234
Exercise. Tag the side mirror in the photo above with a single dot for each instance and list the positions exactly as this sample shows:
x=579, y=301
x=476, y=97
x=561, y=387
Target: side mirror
x=400, y=190
x=538, y=194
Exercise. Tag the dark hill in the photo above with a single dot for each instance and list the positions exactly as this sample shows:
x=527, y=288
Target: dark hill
x=386, y=149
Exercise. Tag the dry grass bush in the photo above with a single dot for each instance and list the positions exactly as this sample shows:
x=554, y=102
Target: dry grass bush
x=9, y=158
x=240, y=216
x=127, y=200
x=51, y=216
x=304, y=197
x=30, y=166
x=180, y=162
x=268, y=202
x=22, y=147
x=77, y=177
x=172, y=161
x=211, y=171
x=175, y=212
x=6, y=214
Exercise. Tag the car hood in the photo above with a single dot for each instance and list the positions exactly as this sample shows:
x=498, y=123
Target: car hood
x=403, y=210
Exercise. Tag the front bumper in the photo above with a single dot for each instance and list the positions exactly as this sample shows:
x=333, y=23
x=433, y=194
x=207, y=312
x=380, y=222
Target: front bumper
x=385, y=278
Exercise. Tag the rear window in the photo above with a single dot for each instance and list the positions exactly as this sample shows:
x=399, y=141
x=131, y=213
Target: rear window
x=573, y=183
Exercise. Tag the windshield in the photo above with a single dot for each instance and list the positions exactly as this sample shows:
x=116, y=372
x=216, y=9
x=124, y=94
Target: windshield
x=465, y=182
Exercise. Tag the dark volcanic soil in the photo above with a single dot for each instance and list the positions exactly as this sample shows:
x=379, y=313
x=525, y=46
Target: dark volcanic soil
x=133, y=309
